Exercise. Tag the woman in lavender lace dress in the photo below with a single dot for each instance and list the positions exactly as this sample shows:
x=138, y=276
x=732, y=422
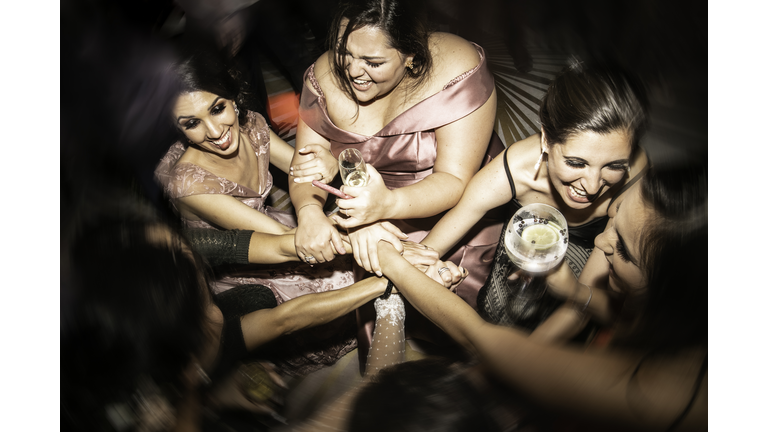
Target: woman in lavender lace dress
x=218, y=177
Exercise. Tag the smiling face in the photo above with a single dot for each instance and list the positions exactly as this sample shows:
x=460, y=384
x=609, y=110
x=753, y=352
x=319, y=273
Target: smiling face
x=587, y=165
x=373, y=67
x=208, y=121
x=620, y=242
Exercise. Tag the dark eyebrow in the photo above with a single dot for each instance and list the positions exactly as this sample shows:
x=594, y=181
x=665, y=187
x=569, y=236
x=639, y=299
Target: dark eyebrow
x=214, y=103
x=178, y=119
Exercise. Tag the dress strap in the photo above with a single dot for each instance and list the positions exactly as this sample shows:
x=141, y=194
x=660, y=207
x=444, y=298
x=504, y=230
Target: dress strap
x=509, y=174
x=313, y=80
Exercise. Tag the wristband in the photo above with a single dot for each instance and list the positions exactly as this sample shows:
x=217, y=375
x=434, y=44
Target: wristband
x=387, y=291
x=584, y=309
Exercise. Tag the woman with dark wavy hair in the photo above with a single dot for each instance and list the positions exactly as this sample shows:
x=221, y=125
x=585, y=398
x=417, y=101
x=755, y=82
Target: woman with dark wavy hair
x=418, y=105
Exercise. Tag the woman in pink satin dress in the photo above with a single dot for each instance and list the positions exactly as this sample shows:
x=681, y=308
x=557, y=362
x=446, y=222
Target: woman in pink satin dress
x=420, y=107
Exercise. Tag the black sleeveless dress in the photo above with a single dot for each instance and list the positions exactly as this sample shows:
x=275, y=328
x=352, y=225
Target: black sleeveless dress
x=494, y=301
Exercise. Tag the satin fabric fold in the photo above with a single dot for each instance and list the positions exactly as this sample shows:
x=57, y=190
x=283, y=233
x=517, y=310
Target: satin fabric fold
x=404, y=153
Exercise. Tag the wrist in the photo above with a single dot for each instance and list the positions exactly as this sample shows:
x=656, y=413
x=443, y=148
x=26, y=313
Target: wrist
x=310, y=209
x=583, y=297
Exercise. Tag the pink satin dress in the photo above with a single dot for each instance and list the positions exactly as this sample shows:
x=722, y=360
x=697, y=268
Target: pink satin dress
x=404, y=152
x=287, y=281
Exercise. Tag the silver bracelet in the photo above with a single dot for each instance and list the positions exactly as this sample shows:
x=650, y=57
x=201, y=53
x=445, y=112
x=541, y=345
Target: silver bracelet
x=584, y=309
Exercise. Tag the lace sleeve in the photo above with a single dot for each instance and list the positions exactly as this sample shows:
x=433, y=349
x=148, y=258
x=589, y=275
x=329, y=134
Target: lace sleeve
x=387, y=349
x=388, y=345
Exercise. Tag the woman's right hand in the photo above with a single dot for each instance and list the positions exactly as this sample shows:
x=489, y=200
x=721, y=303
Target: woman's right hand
x=322, y=167
x=453, y=276
x=316, y=238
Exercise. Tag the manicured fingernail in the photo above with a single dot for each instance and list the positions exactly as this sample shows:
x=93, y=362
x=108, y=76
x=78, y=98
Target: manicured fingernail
x=378, y=273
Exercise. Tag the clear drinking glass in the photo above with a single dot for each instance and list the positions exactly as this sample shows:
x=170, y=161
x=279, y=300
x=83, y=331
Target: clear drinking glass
x=352, y=168
x=535, y=241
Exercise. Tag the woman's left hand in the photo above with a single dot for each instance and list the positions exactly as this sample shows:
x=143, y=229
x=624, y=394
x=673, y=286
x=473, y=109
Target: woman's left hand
x=370, y=202
x=419, y=255
x=322, y=167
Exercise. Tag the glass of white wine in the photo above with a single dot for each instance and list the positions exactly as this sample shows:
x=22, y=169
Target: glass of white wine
x=352, y=168
x=535, y=241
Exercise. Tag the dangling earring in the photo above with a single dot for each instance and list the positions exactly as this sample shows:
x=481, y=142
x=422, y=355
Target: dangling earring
x=237, y=111
x=538, y=162
x=409, y=64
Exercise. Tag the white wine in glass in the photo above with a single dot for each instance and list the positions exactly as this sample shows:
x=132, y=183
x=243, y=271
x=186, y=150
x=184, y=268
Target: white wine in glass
x=352, y=168
x=535, y=241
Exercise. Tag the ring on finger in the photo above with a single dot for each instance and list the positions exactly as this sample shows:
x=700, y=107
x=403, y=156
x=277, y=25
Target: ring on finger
x=308, y=258
x=442, y=270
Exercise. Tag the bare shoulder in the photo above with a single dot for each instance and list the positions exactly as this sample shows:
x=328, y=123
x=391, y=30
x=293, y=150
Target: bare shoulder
x=524, y=153
x=452, y=56
x=522, y=157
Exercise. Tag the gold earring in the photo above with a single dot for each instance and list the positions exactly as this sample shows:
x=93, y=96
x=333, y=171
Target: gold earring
x=409, y=64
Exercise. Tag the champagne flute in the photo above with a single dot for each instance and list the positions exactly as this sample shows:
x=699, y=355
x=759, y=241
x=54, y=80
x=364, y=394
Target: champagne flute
x=535, y=241
x=352, y=168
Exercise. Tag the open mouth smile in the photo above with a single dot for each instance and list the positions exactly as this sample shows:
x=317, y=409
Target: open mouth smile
x=220, y=143
x=579, y=195
x=361, y=85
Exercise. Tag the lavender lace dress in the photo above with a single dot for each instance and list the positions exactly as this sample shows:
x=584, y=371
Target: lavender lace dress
x=302, y=352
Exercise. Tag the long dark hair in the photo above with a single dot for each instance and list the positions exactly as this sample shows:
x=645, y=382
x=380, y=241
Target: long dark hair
x=423, y=395
x=596, y=98
x=206, y=71
x=133, y=315
x=404, y=26
x=672, y=314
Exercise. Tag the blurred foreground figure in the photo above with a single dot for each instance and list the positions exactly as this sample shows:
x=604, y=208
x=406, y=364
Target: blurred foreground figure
x=653, y=375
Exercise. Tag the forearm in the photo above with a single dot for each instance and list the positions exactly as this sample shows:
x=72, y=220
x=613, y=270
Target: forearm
x=439, y=305
x=452, y=227
x=313, y=309
x=599, y=306
x=271, y=249
x=564, y=323
x=436, y=193
x=305, y=195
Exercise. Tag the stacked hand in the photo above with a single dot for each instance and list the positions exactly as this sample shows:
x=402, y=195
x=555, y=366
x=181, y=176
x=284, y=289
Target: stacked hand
x=322, y=167
x=370, y=202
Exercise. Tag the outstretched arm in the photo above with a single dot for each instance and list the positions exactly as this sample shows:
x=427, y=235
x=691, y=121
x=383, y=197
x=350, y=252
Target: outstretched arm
x=599, y=385
x=488, y=189
x=315, y=235
x=309, y=310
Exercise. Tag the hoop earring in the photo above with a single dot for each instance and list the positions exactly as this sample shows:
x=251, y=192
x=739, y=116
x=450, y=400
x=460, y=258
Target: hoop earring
x=409, y=64
x=538, y=162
